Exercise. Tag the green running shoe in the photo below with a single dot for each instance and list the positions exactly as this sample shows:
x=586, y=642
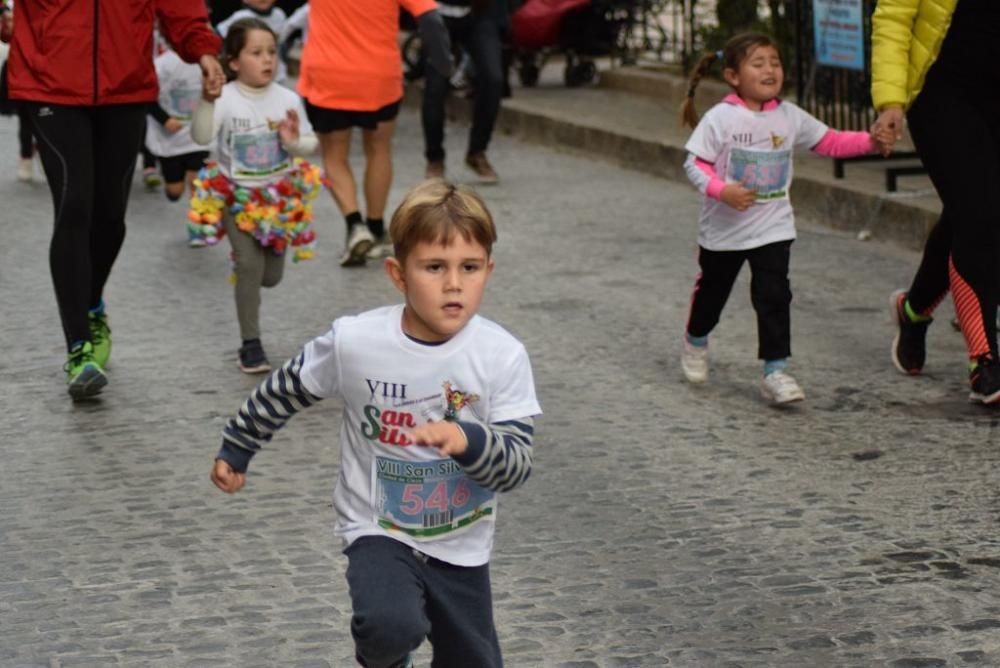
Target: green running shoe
x=100, y=336
x=84, y=376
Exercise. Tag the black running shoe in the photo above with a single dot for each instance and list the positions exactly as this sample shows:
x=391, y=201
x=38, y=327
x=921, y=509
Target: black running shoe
x=985, y=381
x=909, y=348
x=252, y=357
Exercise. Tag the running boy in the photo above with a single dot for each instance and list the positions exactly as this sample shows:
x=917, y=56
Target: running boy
x=439, y=406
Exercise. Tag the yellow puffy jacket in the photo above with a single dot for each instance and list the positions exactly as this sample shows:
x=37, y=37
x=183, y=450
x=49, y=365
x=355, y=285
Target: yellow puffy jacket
x=906, y=40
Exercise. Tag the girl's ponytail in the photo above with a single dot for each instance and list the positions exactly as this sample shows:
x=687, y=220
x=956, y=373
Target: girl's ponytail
x=689, y=116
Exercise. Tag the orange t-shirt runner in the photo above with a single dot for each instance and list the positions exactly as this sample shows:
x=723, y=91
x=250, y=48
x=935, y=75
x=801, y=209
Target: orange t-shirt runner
x=351, y=60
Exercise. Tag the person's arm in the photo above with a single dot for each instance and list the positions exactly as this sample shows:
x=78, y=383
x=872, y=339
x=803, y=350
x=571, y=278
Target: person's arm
x=845, y=144
x=704, y=177
x=185, y=25
x=203, y=122
x=158, y=113
x=280, y=396
x=499, y=455
x=303, y=140
x=892, y=35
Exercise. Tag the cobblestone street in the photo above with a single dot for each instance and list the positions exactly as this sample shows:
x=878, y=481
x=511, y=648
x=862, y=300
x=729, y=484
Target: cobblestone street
x=664, y=524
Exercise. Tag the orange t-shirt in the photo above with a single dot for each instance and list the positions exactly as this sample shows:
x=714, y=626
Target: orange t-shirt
x=351, y=60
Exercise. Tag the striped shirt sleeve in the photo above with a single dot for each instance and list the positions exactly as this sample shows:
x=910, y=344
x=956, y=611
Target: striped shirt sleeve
x=280, y=396
x=499, y=454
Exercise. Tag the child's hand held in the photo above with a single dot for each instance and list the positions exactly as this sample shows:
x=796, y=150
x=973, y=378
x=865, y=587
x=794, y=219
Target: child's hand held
x=226, y=479
x=447, y=437
x=173, y=125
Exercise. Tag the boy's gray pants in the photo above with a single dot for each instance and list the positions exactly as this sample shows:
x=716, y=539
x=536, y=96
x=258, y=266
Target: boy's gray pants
x=400, y=596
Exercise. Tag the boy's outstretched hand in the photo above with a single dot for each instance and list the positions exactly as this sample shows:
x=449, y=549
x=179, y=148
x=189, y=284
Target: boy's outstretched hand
x=447, y=437
x=226, y=479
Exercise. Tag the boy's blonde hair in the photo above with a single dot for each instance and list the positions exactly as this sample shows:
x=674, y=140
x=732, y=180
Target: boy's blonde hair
x=434, y=212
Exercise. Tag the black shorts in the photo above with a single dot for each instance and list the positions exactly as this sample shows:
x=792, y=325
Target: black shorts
x=174, y=167
x=328, y=120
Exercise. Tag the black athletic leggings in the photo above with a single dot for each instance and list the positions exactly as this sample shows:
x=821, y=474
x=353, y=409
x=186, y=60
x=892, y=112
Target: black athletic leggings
x=89, y=155
x=956, y=129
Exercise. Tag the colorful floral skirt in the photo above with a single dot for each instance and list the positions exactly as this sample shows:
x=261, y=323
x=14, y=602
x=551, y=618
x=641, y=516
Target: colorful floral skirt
x=278, y=215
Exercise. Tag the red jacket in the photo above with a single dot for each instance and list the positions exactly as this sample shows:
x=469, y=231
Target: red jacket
x=98, y=52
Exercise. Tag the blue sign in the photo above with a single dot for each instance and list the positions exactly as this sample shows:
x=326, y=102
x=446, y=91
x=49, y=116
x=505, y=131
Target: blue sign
x=839, y=33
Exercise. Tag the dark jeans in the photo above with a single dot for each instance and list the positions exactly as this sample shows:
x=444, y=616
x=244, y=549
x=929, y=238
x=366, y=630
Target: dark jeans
x=399, y=598
x=480, y=37
x=88, y=154
x=770, y=294
x=960, y=163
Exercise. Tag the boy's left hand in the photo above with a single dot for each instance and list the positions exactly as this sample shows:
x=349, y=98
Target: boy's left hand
x=447, y=437
x=288, y=129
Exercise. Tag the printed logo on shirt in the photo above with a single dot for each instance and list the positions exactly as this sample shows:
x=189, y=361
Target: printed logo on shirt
x=776, y=141
x=745, y=138
x=455, y=401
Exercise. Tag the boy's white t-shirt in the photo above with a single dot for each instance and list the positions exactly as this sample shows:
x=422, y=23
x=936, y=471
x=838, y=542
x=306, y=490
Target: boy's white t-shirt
x=245, y=124
x=275, y=20
x=389, y=384
x=180, y=91
x=755, y=148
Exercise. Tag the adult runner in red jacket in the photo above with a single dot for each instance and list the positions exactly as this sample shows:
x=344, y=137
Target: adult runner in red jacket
x=84, y=70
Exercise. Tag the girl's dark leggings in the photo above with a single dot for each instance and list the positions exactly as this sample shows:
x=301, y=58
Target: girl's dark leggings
x=770, y=294
x=957, y=133
x=89, y=156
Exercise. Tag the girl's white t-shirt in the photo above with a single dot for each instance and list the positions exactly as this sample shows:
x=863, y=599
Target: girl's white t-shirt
x=245, y=124
x=180, y=91
x=753, y=148
x=390, y=383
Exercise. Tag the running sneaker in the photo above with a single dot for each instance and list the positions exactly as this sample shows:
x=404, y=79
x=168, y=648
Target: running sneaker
x=381, y=248
x=985, y=381
x=100, y=337
x=84, y=376
x=151, y=178
x=252, y=358
x=25, y=169
x=694, y=362
x=478, y=163
x=359, y=241
x=909, y=348
x=780, y=388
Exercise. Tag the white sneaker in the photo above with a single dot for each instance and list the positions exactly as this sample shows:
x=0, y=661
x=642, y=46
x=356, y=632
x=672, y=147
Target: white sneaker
x=381, y=248
x=25, y=169
x=694, y=362
x=780, y=388
x=359, y=241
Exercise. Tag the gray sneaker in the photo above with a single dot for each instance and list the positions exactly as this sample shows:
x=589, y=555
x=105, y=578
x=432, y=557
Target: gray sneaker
x=381, y=248
x=359, y=242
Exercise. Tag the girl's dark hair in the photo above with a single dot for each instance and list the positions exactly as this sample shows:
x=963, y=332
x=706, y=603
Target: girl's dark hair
x=236, y=39
x=732, y=54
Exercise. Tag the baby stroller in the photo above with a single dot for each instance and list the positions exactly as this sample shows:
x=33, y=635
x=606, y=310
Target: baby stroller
x=580, y=29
